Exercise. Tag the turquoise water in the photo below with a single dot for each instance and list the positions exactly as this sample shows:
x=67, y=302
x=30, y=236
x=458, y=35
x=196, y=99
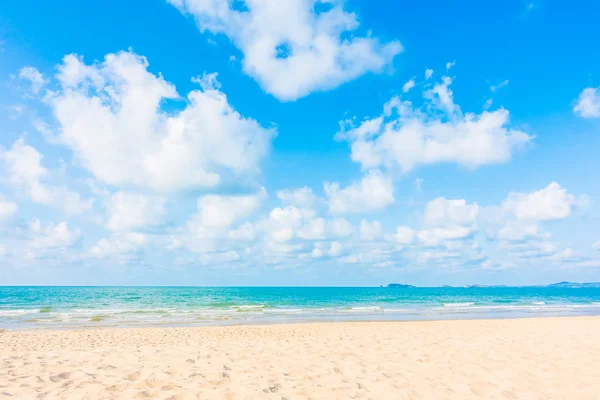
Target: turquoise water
x=69, y=307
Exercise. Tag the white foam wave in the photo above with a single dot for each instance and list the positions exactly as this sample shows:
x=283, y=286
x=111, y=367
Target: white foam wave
x=466, y=304
x=16, y=313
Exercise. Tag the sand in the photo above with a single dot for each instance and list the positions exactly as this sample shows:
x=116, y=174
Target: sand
x=553, y=358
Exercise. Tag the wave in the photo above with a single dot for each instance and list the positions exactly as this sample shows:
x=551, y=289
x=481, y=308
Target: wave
x=19, y=312
x=247, y=307
x=465, y=304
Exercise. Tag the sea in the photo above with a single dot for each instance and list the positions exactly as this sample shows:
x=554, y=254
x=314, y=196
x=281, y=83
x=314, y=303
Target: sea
x=85, y=307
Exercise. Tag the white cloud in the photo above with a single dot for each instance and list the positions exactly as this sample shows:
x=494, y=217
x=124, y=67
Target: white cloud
x=419, y=184
x=518, y=232
x=488, y=103
x=7, y=209
x=450, y=64
x=370, y=230
x=374, y=192
x=119, y=244
x=442, y=212
x=302, y=198
x=313, y=229
x=35, y=78
x=130, y=211
x=219, y=257
x=428, y=73
x=53, y=236
x=333, y=249
x=596, y=245
x=433, y=237
x=552, y=202
x=407, y=137
x=566, y=255
x=24, y=170
x=494, y=88
x=408, y=85
x=588, y=103
x=290, y=48
x=532, y=249
x=404, y=235
x=109, y=114
x=218, y=211
x=283, y=223
x=340, y=227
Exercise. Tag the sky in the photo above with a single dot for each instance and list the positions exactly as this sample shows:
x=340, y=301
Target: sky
x=299, y=142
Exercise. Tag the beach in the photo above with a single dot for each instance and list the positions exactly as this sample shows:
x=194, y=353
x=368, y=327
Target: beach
x=531, y=358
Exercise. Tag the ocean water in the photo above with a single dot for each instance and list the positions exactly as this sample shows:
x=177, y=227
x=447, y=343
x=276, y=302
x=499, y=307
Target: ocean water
x=74, y=307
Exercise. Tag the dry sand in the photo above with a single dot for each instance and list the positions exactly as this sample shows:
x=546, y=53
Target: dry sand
x=553, y=358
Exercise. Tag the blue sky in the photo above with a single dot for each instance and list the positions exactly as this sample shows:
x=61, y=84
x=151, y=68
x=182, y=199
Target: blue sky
x=299, y=142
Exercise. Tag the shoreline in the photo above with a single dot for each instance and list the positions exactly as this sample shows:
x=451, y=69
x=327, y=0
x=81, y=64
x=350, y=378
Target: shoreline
x=229, y=324
x=555, y=357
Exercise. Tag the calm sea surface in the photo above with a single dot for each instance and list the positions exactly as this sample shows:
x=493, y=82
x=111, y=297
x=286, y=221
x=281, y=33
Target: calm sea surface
x=70, y=307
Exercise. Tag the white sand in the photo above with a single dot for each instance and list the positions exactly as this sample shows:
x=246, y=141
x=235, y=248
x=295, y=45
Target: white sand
x=553, y=358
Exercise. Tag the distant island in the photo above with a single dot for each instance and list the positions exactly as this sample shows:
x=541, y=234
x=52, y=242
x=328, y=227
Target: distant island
x=565, y=284
x=576, y=284
x=399, y=286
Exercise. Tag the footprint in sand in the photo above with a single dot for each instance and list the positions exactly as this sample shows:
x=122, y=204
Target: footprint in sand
x=60, y=377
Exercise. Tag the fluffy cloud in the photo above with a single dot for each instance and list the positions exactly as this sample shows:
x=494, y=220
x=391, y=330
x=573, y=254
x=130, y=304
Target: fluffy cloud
x=588, y=103
x=25, y=171
x=374, y=192
x=131, y=211
x=519, y=232
x=216, y=211
x=370, y=230
x=405, y=137
x=35, y=78
x=302, y=198
x=552, y=202
x=53, y=236
x=293, y=47
x=119, y=244
x=443, y=212
x=404, y=235
x=7, y=209
x=110, y=115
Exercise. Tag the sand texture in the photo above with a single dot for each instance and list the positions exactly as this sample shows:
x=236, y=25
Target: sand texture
x=553, y=358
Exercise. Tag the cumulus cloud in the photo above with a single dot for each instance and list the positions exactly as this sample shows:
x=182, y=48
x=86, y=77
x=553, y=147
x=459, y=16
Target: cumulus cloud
x=35, y=78
x=428, y=73
x=588, y=103
x=53, y=236
x=374, y=192
x=406, y=137
x=218, y=211
x=303, y=198
x=552, y=202
x=518, y=232
x=24, y=170
x=293, y=47
x=404, y=235
x=109, y=114
x=370, y=230
x=119, y=244
x=130, y=211
x=442, y=212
